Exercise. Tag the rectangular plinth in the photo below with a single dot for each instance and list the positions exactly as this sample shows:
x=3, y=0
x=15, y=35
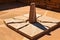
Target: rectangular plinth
x=43, y=25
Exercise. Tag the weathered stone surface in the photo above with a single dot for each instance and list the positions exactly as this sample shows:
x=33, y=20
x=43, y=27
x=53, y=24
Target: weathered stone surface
x=16, y=19
x=21, y=18
x=31, y=30
x=48, y=21
x=18, y=25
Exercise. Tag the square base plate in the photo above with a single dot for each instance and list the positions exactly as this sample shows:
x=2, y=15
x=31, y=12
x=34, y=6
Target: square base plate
x=29, y=30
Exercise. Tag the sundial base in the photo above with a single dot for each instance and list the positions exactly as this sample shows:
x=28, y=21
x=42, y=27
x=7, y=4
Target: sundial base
x=33, y=31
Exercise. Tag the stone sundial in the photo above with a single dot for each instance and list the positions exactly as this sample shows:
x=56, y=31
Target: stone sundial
x=32, y=25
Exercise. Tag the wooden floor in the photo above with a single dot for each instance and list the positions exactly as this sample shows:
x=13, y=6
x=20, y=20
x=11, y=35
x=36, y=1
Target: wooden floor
x=8, y=34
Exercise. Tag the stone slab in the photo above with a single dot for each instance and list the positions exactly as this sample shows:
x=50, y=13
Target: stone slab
x=16, y=19
x=21, y=18
x=18, y=25
x=31, y=30
x=48, y=21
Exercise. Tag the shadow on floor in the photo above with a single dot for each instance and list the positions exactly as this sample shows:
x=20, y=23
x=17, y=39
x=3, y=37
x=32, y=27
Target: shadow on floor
x=12, y=5
x=37, y=24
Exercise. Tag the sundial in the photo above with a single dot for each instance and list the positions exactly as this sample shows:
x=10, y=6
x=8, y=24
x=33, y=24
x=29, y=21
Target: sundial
x=32, y=25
